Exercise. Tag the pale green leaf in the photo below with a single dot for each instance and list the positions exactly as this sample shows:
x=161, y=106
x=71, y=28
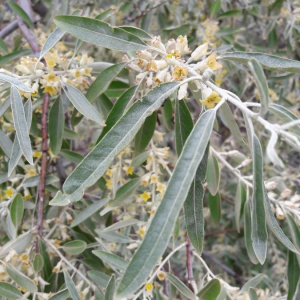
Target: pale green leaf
x=214, y=204
x=105, y=14
x=293, y=272
x=112, y=259
x=38, y=263
x=15, y=82
x=181, y=287
x=21, y=13
x=5, y=105
x=253, y=282
x=240, y=200
x=101, y=279
x=114, y=237
x=211, y=290
x=61, y=295
x=5, y=144
x=5, y=59
x=143, y=35
x=162, y=225
x=74, y=247
x=100, y=33
x=110, y=289
x=122, y=224
x=213, y=175
x=9, y=291
x=71, y=287
x=17, y=210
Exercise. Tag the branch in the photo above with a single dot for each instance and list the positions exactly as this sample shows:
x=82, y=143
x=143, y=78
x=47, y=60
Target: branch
x=189, y=265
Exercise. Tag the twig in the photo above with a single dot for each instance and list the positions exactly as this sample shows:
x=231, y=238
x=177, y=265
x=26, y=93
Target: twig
x=189, y=265
x=29, y=35
x=7, y=30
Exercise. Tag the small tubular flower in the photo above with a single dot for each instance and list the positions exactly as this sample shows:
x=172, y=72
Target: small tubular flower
x=210, y=98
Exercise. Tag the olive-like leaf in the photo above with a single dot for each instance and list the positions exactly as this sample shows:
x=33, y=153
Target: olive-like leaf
x=112, y=259
x=293, y=273
x=211, y=290
x=213, y=175
x=110, y=289
x=71, y=287
x=9, y=291
x=15, y=82
x=17, y=210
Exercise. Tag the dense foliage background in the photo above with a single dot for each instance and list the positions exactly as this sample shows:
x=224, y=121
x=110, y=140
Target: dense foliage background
x=67, y=235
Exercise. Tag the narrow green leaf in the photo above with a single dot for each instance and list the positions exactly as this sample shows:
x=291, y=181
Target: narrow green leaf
x=294, y=231
x=293, y=273
x=259, y=234
x=144, y=136
x=56, y=125
x=240, y=200
x=15, y=82
x=253, y=282
x=162, y=225
x=9, y=291
x=247, y=233
x=5, y=59
x=122, y=224
x=112, y=259
x=193, y=206
x=71, y=287
x=270, y=62
x=105, y=14
x=99, y=278
x=3, y=46
x=17, y=210
x=70, y=134
x=167, y=114
x=21, y=279
x=103, y=81
x=140, y=159
x=82, y=104
x=214, y=204
x=181, y=287
x=88, y=212
x=118, y=110
x=213, y=175
x=21, y=13
x=71, y=156
x=5, y=105
x=110, y=289
x=261, y=83
x=21, y=124
x=211, y=290
x=252, y=294
x=16, y=153
x=114, y=237
x=61, y=295
x=143, y=35
x=98, y=160
x=75, y=247
x=215, y=7
x=5, y=144
x=38, y=263
x=100, y=33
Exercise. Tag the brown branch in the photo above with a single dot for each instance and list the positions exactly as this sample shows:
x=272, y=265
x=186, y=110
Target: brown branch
x=29, y=35
x=41, y=187
x=189, y=264
x=8, y=29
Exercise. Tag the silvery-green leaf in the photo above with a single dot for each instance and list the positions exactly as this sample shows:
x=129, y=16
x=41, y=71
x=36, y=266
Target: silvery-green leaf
x=252, y=294
x=162, y=225
x=294, y=231
x=71, y=287
x=16, y=150
x=293, y=273
x=53, y=38
x=71, y=156
x=112, y=259
x=247, y=233
x=253, y=282
x=105, y=14
x=38, y=263
x=9, y=291
x=21, y=124
x=100, y=33
x=5, y=144
x=214, y=204
x=99, y=278
x=15, y=82
x=17, y=210
x=61, y=295
x=5, y=59
x=259, y=232
x=56, y=125
x=34, y=181
x=75, y=247
x=21, y=279
x=261, y=83
x=88, y=212
x=140, y=159
x=21, y=13
x=82, y=104
x=122, y=224
x=110, y=289
x=5, y=105
x=274, y=226
x=114, y=237
x=270, y=62
x=211, y=290
x=143, y=35
x=181, y=287
x=239, y=202
x=271, y=151
x=98, y=160
x=212, y=175
x=103, y=81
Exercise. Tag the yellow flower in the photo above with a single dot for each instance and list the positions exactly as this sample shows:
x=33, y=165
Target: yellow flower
x=141, y=232
x=109, y=173
x=50, y=60
x=30, y=172
x=24, y=257
x=37, y=154
x=51, y=77
x=87, y=71
x=160, y=188
x=51, y=90
x=179, y=73
x=145, y=196
x=9, y=193
x=153, y=179
x=109, y=184
x=211, y=100
x=212, y=63
x=148, y=286
x=130, y=170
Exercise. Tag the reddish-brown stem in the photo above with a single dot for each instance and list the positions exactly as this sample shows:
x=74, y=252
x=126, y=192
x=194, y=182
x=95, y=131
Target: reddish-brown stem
x=29, y=35
x=189, y=264
x=41, y=188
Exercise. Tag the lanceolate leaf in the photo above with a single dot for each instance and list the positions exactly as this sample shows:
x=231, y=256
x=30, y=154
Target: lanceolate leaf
x=103, y=81
x=271, y=62
x=162, y=225
x=105, y=14
x=100, y=33
x=259, y=232
x=21, y=124
x=99, y=278
x=56, y=125
x=110, y=289
x=82, y=104
x=4, y=106
x=17, y=210
x=214, y=203
x=293, y=273
x=19, y=84
x=211, y=290
x=112, y=259
x=12, y=56
x=16, y=150
x=75, y=247
x=118, y=110
x=253, y=282
x=98, y=160
x=71, y=287
x=261, y=83
x=193, y=206
x=21, y=13
x=240, y=200
x=212, y=175
x=9, y=291
x=5, y=144
x=181, y=287
x=143, y=35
